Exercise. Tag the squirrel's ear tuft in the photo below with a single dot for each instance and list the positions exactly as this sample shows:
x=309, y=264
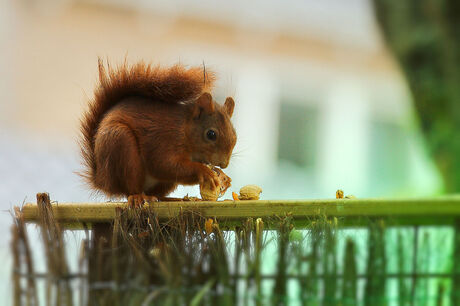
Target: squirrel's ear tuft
x=203, y=104
x=229, y=106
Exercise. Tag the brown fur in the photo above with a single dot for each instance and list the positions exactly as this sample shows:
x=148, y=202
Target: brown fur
x=145, y=130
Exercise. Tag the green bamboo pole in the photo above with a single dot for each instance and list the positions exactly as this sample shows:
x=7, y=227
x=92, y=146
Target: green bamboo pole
x=238, y=246
x=350, y=280
x=248, y=231
x=257, y=261
x=402, y=286
x=374, y=291
x=311, y=278
x=280, y=297
x=312, y=281
x=408, y=211
x=330, y=263
x=455, y=295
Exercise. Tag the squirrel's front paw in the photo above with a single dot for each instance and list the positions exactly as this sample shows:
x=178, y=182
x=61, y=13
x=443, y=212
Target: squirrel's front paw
x=138, y=200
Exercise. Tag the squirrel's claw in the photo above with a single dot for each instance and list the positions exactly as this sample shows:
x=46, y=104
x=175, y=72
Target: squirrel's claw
x=138, y=200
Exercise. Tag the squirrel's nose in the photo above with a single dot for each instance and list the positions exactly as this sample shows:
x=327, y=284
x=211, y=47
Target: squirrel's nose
x=223, y=165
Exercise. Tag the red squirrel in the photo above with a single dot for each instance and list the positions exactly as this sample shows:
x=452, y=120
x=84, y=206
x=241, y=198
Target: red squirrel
x=149, y=129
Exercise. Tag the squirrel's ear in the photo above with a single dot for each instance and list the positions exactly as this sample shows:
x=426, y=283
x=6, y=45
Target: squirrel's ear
x=229, y=106
x=203, y=104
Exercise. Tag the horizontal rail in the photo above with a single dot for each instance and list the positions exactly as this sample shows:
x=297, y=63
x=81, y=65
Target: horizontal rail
x=433, y=275
x=437, y=210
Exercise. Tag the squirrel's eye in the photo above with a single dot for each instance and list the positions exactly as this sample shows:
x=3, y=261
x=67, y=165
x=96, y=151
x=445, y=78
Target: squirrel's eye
x=211, y=135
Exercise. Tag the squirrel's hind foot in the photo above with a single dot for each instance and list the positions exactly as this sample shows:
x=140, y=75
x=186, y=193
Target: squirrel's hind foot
x=138, y=200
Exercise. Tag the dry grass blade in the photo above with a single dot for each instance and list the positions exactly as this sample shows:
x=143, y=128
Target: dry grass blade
x=55, y=254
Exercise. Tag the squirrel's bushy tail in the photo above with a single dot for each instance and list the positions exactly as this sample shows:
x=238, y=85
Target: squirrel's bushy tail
x=165, y=85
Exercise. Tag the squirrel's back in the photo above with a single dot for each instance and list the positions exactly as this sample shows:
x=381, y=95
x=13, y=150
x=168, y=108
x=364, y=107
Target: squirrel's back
x=159, y=85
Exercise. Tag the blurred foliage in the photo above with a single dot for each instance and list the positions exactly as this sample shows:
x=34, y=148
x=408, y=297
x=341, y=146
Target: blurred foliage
x=425, y=38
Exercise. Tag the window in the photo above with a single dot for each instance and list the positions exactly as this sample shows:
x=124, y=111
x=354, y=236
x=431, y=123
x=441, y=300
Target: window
x=297, y=134
x=389, y=152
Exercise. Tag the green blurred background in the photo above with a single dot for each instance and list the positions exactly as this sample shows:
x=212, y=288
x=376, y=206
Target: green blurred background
x=425, y=38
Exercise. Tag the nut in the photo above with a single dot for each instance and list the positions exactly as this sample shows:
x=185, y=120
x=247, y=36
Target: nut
x=210, y=194
x=208, y=226
x=250, y=192
x=207, y=193
x=339, y=194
